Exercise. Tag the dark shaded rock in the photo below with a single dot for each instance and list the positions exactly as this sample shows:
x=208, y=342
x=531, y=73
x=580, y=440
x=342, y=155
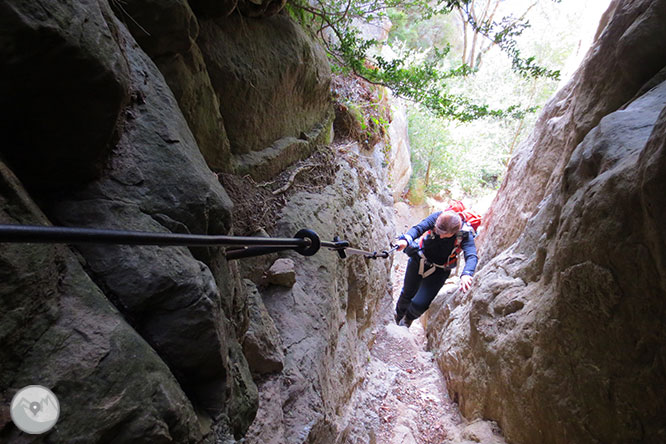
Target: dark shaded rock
x=63, y=83
x=158, y=181
x=167, y=31
x=244, y=397
x=213, y=8
x=58, y=330
x=561, y=338
x=161, y=27
x=260, y=8
x=272, y=82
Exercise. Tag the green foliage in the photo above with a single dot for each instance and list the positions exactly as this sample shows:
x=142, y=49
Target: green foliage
x=455, y=159
x=418, y=34
x=412, y=76
x=362, y=110
x=445, y=163
x=470, y=158
x=456, y=149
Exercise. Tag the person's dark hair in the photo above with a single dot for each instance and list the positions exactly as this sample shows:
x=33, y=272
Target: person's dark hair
x=448, y=222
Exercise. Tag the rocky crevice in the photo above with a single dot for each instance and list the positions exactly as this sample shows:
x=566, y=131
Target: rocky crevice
x=139, y=115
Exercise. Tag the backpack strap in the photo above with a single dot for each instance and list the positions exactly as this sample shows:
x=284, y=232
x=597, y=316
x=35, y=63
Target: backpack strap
x=457, y=248
x=426, y=235
x=448, y=265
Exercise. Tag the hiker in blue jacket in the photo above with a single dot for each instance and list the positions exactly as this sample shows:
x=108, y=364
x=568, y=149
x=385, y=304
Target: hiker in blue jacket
x=445, y=233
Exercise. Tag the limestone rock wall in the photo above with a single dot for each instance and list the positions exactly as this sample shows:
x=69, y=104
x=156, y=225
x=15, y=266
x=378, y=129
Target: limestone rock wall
x=167, y=32
x=59, y=330
x=325, y=320
x=561, y=339
x=54, y=58
x=263, y=67
x=252, y=86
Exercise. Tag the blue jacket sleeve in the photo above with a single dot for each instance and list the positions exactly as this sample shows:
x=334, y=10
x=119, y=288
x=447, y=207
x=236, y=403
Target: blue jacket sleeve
x=469, y=251
x=420, y=228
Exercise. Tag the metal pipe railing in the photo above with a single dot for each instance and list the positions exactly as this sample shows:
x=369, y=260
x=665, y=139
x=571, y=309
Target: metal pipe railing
x=305, y=242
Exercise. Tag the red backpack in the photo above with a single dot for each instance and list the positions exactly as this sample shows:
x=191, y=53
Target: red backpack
x=471, y=217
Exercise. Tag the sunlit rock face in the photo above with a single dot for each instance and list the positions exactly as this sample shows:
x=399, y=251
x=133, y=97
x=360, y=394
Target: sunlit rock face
x=628, y=52
x=561, y=339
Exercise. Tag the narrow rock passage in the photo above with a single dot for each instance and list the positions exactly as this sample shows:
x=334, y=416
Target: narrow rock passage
x=403, y=399
x=416, y=408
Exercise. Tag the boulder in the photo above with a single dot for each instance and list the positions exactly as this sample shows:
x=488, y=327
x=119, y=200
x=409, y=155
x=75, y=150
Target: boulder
x=282, y=273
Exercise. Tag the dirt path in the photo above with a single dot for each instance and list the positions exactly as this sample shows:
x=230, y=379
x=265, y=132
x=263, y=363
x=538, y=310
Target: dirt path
x=403, y=399
x=416, y=409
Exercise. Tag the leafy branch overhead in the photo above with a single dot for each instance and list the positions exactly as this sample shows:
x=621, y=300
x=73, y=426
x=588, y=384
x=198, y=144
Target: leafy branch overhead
x=412, y=75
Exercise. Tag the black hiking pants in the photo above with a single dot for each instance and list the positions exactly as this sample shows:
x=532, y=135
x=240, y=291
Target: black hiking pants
x=418, y=292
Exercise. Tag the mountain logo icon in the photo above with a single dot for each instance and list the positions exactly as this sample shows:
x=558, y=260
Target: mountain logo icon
x=35, y=409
